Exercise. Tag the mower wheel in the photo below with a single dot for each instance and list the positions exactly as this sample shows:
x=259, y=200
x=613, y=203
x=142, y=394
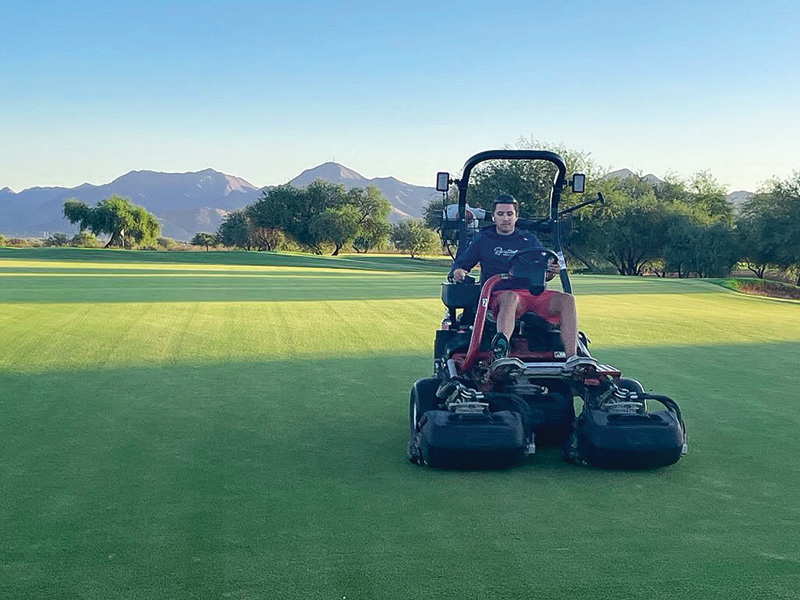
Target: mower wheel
x=630, y=385
x=423, y=399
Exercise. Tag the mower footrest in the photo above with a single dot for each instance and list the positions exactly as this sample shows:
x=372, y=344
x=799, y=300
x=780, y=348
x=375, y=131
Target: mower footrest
x=544, y=369
x=608, y=370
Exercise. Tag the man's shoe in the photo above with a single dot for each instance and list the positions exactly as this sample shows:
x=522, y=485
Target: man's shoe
x=580, y=365
x=499, y=346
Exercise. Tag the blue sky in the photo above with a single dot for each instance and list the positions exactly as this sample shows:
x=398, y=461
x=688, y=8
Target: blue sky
x=263, y=90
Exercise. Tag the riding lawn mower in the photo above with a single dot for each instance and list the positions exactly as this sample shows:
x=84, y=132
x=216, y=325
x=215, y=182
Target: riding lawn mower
x=481, y=410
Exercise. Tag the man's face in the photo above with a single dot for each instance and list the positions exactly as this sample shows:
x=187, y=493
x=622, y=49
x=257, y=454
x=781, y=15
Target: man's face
x=505, y=218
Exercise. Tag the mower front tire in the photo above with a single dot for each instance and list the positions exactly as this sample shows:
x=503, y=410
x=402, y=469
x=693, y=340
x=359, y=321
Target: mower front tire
x=631, y=385
x=423, y=399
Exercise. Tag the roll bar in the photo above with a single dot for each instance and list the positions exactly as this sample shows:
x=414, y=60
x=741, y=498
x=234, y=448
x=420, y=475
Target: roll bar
x=555, y=197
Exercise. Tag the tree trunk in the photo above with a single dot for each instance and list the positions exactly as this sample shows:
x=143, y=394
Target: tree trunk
x=336, y=249
x=587, y=263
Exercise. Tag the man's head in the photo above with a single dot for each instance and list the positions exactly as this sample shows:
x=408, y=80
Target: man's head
x=505, y=214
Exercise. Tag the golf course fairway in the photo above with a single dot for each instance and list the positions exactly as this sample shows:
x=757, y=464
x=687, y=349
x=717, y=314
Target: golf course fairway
x=233, y=425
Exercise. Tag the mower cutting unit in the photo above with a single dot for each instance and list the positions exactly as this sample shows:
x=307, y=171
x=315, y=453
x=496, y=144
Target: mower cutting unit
x=482, y=411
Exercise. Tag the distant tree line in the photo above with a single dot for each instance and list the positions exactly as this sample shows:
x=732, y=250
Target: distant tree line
x=320, y=217
x=674, y=227
x=683, y=228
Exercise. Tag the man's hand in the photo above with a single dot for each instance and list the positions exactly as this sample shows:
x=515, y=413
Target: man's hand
x=552, y=270
x=458, y=275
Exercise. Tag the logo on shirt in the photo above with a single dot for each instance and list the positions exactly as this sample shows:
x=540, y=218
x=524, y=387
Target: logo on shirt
x=498, y=251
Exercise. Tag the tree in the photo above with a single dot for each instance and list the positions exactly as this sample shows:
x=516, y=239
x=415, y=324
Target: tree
x=413, y=237
x=57, y=239
x=530, y=182
x=2, y=240
x=337, y=226
x=373, y=210
x=266, y=238
x=78, y=212
x=323, y=214
x=234, y=231
x=710, y=197
x=126, y=223
x=205, y=239
x=292, y=210
x=628, y=231
x=769, y=225
x=372, y=234
x=672, y=190
x=756, y=225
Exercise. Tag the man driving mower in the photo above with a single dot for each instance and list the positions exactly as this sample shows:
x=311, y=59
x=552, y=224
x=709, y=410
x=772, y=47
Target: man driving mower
x=494, y=249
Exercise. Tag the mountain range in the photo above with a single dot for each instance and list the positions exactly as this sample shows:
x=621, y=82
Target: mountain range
x=186, y=203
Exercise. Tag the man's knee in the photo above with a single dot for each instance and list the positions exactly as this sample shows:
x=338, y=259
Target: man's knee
x=507, y=299
x=562, y=303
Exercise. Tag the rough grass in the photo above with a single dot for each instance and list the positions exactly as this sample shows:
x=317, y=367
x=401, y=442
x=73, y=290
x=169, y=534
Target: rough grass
x=233, y=425
x=761, y=287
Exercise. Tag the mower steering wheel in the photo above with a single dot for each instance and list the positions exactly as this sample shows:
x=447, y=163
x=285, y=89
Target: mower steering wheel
x=550, y=254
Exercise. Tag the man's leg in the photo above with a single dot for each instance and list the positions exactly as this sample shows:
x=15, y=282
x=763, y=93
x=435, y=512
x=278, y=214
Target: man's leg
x=507, y=312
x=563, y=306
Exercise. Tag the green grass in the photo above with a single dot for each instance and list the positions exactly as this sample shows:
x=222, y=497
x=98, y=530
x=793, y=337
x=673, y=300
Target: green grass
x=233, y=425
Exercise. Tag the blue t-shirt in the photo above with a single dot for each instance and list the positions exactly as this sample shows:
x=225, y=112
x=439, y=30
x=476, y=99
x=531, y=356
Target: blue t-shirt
x=494, y=251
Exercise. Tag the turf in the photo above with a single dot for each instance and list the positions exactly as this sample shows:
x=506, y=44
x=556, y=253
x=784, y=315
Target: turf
x=233, y=425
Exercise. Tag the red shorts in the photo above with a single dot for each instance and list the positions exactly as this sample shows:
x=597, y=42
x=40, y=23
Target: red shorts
x=527, y=303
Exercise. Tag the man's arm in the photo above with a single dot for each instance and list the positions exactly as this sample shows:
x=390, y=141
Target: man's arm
x=552, y=269
x=464, y=263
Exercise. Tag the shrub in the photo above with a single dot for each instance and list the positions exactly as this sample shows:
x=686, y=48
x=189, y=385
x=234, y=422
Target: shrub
x=84, y=239
x=413, y=237
x=58, y=239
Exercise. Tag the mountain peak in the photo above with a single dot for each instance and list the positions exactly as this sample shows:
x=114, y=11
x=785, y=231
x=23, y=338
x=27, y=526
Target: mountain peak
x=626, y=173
x=330, y=171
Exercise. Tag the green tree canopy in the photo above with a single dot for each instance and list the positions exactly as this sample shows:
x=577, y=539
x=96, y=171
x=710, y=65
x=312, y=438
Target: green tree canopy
x=337, y=226
x=710, y=197
x=127, y=224
x=769, y=226
x=373, y=210
x=323, y=214
x=234, y=231
x=530, y=182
